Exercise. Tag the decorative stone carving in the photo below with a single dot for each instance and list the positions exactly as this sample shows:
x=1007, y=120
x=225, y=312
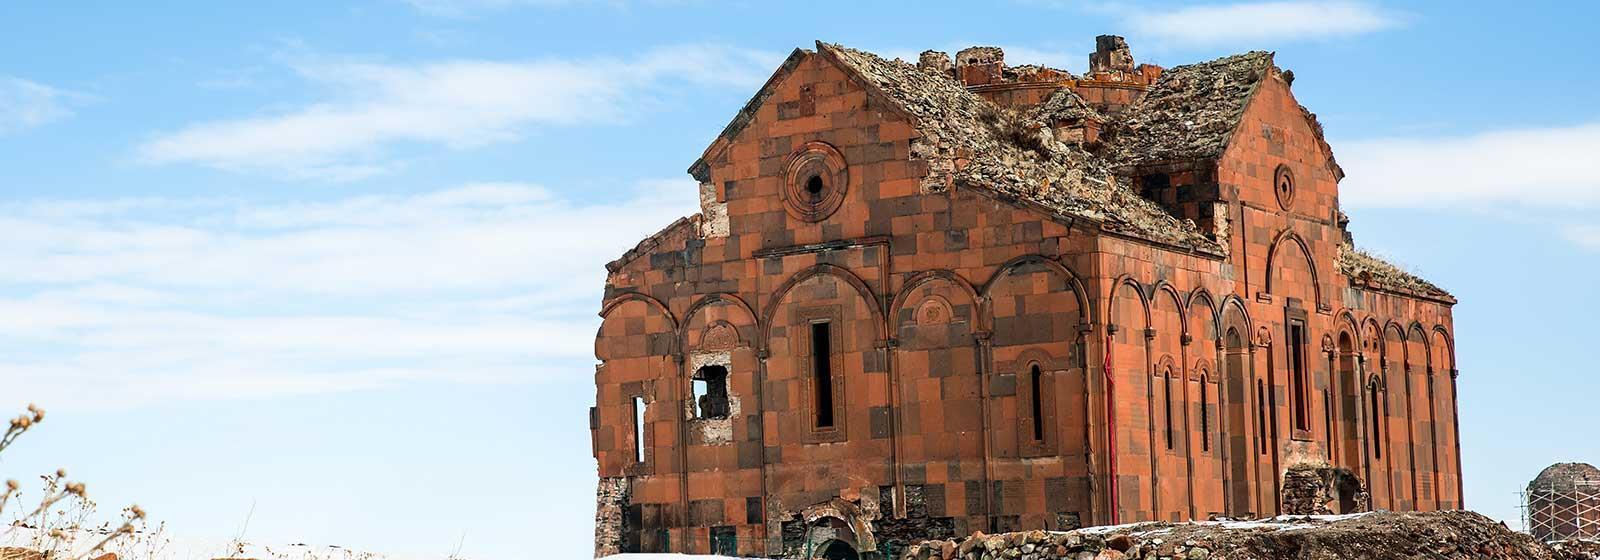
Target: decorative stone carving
x=933, y=311
x=720, y=336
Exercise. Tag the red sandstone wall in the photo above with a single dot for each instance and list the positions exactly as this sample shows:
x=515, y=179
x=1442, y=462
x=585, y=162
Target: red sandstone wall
x=943, y=304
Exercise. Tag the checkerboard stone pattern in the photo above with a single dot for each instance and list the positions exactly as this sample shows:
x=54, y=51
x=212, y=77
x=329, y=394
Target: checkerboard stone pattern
x=968, y=338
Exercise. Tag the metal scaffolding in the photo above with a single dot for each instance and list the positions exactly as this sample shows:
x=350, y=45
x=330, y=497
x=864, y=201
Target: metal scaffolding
x=1562, y=511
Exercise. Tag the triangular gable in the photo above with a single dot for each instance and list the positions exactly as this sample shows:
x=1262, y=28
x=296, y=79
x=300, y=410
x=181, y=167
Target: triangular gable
x=701, y=169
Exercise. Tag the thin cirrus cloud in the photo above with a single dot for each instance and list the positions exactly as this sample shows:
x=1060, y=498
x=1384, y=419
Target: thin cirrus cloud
x=368, y=110
x=131, y=302
x=1586, y=236
x=1549, y=167
x=1258, y=22
x=26, y=104
x=470, y=8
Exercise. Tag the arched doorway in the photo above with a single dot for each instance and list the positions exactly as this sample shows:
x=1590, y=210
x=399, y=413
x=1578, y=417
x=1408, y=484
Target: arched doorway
x=836, y=550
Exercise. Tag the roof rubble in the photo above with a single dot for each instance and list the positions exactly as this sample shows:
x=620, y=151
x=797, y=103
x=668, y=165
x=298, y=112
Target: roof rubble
x=1363, y=268
x=1190, y=111
x=970, y=142
x=1065, y=105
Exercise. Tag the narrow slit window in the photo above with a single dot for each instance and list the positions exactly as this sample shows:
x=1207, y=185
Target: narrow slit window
x=1377, y=429
x=1205, y=415
x=711, y=393
x=1166, y=403
x=1036, y=378
x=822, y=373
x=638, y=429
x=1261, y=417
x=1327, y=417
x=1298, y=386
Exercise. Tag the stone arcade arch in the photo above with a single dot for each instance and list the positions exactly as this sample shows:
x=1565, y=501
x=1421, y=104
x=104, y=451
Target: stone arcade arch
x=1138, y=480
x=1238, y=418
x=1037, y=312
x=935, y=324
x=1203, y=351
x=1170, y=404
x=1419, y=371
x=1443, y=349
x=1348, y=380
x=1397, y=382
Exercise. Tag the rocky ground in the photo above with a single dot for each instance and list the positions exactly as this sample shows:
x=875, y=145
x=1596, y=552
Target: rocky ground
x=1379, y=535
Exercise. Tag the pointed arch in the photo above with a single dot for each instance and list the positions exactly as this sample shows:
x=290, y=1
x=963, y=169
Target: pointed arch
x=1442, y=336
x=822, y=269
x=1164, y=287
x=1240, y=318
x=720, y=298
x=1345, y=322
x=626, y=297
x=1085, y=305
x=920, y=278
x=1417, y=334
x=1211, y=318
x=1294, y=242
x=1399, y=332
x=1144, y=301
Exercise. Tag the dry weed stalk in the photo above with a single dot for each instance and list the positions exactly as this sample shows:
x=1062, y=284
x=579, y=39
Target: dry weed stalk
x=63, y=514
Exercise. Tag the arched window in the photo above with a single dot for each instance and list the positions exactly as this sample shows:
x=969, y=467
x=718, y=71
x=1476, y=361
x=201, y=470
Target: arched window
x=1036, y=382
x=711, y=393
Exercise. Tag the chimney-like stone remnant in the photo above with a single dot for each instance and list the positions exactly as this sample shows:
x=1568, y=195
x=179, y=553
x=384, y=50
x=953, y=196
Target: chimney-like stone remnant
x=935, y=62
x=1111, y=54
x=971, y=56
x=1114, y=80
x=977, y=66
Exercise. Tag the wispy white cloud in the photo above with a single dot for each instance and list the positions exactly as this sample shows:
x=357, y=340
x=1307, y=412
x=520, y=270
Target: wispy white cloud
x=129, y=302
x=469, y=8
x=1586, y=236
x=459, y=8
x=1552, y=167
x=1256, y=23
x=370, y=108
x=25, y=104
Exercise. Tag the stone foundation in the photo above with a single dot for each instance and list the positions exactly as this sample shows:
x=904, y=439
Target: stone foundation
x=610, y=516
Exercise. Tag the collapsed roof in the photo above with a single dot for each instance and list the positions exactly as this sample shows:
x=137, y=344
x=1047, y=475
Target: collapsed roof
x=1366, y=269
x=1188, y=113
x=970, y=142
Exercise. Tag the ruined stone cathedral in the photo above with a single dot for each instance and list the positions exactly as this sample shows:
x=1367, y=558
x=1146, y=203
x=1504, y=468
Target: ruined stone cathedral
x=927, y=299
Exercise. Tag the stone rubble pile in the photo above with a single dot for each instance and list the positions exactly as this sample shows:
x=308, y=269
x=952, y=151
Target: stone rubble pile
x=1379, y=535
x=1575, y=549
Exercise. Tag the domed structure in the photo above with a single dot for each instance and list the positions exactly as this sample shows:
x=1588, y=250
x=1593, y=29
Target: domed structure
x=1563, y=502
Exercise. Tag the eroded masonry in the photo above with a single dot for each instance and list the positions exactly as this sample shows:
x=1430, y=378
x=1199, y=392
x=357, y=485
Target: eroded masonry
x=926, y=299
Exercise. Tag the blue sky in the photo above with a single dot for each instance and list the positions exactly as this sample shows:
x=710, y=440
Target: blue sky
x=339, y=262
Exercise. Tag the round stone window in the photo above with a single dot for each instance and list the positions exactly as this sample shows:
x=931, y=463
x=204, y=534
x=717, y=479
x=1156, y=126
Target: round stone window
x=815, y=182
x=1283, y=186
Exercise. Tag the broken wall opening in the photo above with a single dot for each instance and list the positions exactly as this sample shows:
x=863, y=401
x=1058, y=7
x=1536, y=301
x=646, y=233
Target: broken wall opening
x=711, y=392
x=1320, y=489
